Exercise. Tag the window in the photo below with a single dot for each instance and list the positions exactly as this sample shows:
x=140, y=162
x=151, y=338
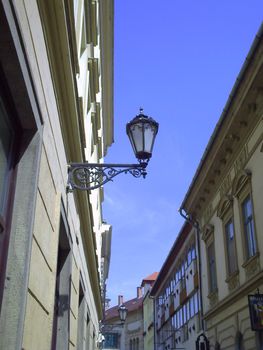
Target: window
x=191, y=255
x=196, y=302
x=111, y=341
x=242, y=189
x=182, y=270
x=248, y=224
x=192, y=307
x=185, y=314
x=81, y=316
x=185, y=263
x=60, y=336
x=211, y=267
x=193, y=252
x=230, y=247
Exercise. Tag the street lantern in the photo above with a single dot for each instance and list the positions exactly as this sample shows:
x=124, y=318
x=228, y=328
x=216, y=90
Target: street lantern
x=122, y=313
x=141, y=131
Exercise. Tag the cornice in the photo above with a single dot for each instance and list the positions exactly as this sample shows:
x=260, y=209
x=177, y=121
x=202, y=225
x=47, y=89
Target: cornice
x=239, y=122
x=239, y=116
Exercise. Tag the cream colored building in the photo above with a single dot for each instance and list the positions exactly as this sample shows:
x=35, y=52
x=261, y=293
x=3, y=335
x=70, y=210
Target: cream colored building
x=56, y=107
x=127, y=335
x=148, y=311
x=226, y=198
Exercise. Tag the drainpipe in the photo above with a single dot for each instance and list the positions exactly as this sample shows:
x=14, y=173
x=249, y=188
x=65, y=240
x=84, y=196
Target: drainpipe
x=195, y=223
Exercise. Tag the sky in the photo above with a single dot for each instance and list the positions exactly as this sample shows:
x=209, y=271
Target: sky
x=179, y=61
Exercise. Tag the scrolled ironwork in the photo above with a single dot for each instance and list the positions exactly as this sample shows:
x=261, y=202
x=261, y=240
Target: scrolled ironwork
x=89, y=176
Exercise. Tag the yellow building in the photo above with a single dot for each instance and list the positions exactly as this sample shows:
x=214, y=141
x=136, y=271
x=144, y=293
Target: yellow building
x=225, y=198
x=56, y=107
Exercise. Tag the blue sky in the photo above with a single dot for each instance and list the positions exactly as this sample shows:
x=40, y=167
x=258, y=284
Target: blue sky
x=178, y=60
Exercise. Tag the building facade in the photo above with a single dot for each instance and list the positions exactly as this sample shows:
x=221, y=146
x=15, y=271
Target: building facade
x=56, y=107
x=225, y=198
x=176, y=295
x=129, y=335
x=148, y=311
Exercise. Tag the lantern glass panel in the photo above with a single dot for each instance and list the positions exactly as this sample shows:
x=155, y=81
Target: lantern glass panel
x=131, y=140
x=137, y=136
x=149, y=133
x=123, y=313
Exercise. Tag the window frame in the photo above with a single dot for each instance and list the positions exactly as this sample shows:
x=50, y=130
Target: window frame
x=245, y=223
x=211, y=289
x=242, y=188
x=225, y=222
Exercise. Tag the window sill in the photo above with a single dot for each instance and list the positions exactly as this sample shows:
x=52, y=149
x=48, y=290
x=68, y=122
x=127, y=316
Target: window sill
x=251, y=266
x=233, y=280
x=213, y=298
x=250, y=260
x=212, y=294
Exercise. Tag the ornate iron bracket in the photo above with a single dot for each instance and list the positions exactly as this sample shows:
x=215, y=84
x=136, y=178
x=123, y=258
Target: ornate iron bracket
x=88, y=176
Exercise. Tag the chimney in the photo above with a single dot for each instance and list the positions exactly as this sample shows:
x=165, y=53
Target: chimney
x=120, y=300
x=139, y=292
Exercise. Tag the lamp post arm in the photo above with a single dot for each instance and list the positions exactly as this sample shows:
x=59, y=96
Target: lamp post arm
x=89, y=176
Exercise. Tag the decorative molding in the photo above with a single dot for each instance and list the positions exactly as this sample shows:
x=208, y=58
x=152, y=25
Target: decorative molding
x=233, y=281
x=224, y=205
x=243, y=123
x=240, y=181
x=241, y=159
x=208, y=212
x=213, y=298
x=225, y=186
x=233, y=137
x=252, y=107
x=252, y=266
x=208, y=230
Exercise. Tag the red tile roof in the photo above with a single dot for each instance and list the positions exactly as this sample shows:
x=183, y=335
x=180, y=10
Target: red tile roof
x=131, y=305
x=149, y=279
